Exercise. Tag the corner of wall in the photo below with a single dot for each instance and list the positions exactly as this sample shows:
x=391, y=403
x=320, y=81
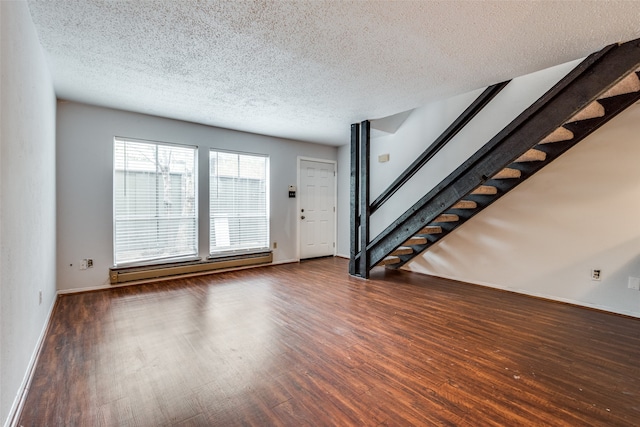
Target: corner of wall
x=27, y=202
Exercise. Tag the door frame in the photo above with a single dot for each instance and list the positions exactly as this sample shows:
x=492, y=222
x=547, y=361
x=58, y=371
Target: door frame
x=335, y=201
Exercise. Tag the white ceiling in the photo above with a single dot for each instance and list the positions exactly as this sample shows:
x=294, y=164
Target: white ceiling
x=308, y=69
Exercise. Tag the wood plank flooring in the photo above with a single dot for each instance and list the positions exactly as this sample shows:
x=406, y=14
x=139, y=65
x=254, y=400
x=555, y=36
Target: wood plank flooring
x=307, y=345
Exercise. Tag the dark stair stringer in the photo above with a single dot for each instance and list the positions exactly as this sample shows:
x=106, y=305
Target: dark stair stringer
x=602, y=86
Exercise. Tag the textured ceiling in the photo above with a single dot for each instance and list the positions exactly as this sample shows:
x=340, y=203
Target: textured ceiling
x=308, y=69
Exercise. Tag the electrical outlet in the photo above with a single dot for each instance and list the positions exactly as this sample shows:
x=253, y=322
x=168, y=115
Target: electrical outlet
x=39, y=297
x=89, y=263
x=596, y=275
x=382, y=158
x=634, y=283
x=83, y=264
x=275, y=245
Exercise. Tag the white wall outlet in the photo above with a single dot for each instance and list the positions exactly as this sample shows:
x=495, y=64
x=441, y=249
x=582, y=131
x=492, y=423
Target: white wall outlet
x=596, y=274
x=39, y=297
x=275, y=245
x=89, y=263
x=83, y=264
x=634, y=283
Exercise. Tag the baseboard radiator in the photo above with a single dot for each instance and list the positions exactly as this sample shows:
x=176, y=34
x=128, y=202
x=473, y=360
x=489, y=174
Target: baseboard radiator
x=121, y=275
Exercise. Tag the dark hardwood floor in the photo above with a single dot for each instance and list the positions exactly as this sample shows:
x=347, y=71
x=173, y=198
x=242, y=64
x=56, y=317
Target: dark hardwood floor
x=305, y=344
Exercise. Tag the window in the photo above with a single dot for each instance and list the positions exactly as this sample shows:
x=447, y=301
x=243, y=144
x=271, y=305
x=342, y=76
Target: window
x=238, y=202
x=155, y=207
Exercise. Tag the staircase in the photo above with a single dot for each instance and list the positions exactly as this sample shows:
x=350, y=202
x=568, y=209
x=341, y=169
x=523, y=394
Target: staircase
x=602, y=86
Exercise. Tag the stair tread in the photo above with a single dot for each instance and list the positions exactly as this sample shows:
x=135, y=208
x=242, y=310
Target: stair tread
x=629, y=84
x=415, y=241
x=591, y=111
x=402, y=250
x=430, y=229
x=508, y=173
x=485, y=190
x=558, y=135
x=532, y=155
x=389, y=260
x=447, y=218
x=465, y=204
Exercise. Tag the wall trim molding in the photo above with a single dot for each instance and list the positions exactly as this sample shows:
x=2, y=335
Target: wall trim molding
x=538, y=295
x=18, y=403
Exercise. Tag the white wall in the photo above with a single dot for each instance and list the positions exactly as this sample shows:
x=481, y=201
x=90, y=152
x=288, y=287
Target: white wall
x=344, y=185
x=420, y=130
x=578, y=213
x=85, y=174
x=426, y=123
x=27, y=200
x=544, y=237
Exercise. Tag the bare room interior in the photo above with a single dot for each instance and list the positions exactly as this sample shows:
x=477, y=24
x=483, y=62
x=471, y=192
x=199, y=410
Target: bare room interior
x=320, y=212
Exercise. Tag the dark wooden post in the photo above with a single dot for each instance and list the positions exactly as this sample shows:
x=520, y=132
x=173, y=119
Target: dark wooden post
x=354, y=196
x=365, y=128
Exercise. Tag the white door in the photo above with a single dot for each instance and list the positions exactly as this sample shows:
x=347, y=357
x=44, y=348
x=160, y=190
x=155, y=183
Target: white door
x=317, y=209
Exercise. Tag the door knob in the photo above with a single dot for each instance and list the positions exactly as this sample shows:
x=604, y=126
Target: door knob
x=302, y=217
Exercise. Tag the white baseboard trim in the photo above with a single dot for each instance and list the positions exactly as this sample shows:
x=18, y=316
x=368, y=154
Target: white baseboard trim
x=343, y=256
x=87, y=289
x=535, y=294
x=21, y=395
x=285, y=261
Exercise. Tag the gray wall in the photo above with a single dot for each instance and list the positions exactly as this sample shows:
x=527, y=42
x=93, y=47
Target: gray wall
x=85, y=180
x=27, y=200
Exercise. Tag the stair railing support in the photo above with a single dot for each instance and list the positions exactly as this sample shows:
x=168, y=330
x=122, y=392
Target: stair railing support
x=458, y=124
x=365, y=209
x=354, y=199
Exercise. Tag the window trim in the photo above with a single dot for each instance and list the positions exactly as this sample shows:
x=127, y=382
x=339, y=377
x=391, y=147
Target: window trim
x=267, y=180
x=167, y=259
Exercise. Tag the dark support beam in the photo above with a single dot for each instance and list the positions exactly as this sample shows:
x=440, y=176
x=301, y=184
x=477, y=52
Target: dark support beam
x=365, y=265
x=354, y=199
x=467, y=115
x=578, y=89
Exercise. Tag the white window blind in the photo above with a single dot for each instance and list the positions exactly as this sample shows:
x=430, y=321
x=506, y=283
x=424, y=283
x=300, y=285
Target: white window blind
x=155, y=207
x=238, y=202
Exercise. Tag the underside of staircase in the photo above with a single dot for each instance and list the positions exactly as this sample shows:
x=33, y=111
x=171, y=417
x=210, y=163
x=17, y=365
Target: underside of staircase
x=601, y=87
